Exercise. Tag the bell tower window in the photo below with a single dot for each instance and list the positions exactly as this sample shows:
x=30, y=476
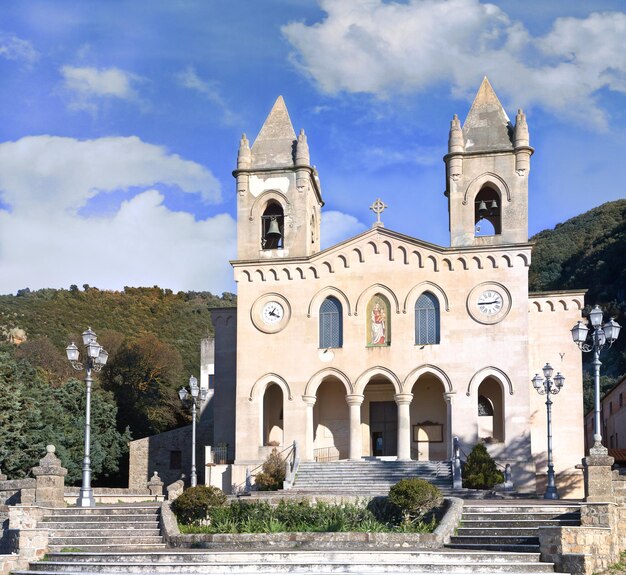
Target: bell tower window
x=272, y=227
x=487, y=213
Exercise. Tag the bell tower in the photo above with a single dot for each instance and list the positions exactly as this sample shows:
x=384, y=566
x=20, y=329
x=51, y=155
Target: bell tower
x=487, y=169
x=278, y=192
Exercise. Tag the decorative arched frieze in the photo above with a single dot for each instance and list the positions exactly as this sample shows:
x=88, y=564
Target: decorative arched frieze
x=507, y=259
x=389, y=247
x=486, y=372
x=563, y=304
x=479, y=183
x=328, y=267
x=273, y=273
x=359, y=255
x=478, y=262
x=258, y=273
x=343, y=259
x=462, y=262
x=417, y=256
x=300, y=273
x=404, y=255
x=287, y=273
x=494, y=264
x=433, y=261
x=261, y=384
x=411, y=379
x=313, y=271
x=579, y=303
x=537, y=306
x=525, y=259
x=420, y=288
x=246, y=273
x=365, y=377
x=372, y=290
x=321, y=295
x=550, y=304
x=374, y=247
x=318, y=378
x=262, y=200
x=448, y=264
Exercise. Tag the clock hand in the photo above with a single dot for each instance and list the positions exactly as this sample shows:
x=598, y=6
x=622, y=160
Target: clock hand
x=273, y=312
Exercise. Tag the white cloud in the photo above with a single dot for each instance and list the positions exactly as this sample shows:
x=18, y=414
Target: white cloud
x=14, y=48
x=53, y=174
x=45, y=242
x=89, y=85
x=189, y=79
x=337, y=226
x=380, y=47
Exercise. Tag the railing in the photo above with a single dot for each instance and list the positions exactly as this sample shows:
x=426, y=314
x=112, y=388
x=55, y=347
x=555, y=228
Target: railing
x=291, y=458
x=325, y=454
x=221, y=454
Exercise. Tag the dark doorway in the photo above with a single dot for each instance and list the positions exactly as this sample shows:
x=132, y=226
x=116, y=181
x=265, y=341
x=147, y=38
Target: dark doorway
x=384, y=427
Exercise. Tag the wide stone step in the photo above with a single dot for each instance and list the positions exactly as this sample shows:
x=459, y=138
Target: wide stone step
x=106, y=510
x=318, y=562
x=104, y=539
x=515, y=523
x=495, y=547
x=99, y=525
x=494, y=532
x=495, y=540
x=151, y=531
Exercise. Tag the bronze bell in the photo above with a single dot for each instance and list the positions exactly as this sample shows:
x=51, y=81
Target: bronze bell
x=482, y=207
x=494, y=205
x=273, y=230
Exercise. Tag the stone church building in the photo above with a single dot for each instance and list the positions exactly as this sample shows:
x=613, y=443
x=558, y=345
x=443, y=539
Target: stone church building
x=386, y=345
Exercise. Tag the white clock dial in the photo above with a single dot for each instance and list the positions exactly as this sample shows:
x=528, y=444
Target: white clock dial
x=490, y=302
x=272, y=312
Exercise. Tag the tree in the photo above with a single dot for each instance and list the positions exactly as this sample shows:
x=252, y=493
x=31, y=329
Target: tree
x=480, y=470
x=143, y=376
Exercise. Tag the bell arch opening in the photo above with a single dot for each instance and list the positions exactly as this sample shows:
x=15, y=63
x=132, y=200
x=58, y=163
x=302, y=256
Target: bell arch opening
x=487, y=212
x=272, y=226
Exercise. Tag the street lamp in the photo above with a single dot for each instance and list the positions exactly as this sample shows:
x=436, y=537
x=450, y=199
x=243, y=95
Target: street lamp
x=548, y=386
x=196, y=395
x=603, y=335
x=95, y=359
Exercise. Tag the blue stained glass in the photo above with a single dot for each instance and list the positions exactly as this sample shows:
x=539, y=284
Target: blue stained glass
x=331, y=323
x=426, y=319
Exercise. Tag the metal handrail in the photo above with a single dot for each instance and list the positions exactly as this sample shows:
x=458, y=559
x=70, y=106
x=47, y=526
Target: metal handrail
x=326, y=454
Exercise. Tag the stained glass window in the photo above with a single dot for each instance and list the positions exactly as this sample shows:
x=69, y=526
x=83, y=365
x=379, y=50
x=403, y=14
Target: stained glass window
x=331, y=323
x=426, y=319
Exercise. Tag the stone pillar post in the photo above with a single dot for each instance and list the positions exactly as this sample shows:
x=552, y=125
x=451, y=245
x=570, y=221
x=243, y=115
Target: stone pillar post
x=449, y=396
x=50, y=477
x=356, y=442
x=155, y=485
x=403, y=401
x=309, y=436
x=598, y=476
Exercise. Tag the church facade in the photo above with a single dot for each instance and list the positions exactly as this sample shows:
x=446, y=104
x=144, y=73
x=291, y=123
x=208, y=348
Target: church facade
x=385, y=345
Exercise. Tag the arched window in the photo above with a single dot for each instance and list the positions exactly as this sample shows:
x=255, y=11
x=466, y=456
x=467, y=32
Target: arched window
x=426, y=319
x=487, y=213
x=331, y=323
x=272, y=227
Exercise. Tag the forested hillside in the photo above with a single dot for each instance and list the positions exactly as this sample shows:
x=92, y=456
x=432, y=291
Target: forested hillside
x=589, y=251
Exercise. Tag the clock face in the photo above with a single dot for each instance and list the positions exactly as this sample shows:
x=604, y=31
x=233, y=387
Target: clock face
x=272, y=312
x=490, y=302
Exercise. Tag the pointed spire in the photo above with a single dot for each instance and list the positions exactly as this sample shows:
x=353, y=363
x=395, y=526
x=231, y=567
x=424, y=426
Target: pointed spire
x=244, y=156
x=522, y=137
x=487, y=127
x=455, y=139
x=302, y=150
x=274, y=146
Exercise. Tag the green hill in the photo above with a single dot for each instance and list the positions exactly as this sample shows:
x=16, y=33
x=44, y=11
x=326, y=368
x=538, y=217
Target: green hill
x=588, y=251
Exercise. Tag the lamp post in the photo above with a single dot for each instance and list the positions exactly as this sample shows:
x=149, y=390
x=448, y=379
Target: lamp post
x=196, y=395
x=603, y=335
x=548, y=386
x=95, y=359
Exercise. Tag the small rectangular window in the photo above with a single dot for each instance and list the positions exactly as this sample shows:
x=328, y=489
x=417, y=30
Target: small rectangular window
x=176, y=459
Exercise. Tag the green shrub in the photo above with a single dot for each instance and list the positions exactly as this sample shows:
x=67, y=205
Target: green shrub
x=193, y=504
x=273, y=473
x=480, y=470
x=415, y=497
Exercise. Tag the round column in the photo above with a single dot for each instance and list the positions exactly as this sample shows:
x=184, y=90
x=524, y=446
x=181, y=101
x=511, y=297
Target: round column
x=309, y=400
x=403, y=401
x=356, y=442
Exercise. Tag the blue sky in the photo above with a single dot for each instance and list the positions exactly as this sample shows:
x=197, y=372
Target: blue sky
x=120, y=120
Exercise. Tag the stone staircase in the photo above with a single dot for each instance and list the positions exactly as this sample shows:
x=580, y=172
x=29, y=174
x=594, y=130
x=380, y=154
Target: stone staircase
x=104, y=528
x=327, y=561
x=510, y=526
x=368, y=477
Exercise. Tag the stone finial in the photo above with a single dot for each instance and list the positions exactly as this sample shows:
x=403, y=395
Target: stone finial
x=50, y=464
x=456, y=143
x=302, y=150
x=155, y=485
x=50, y=475
x=244, y=156
x=522, y=137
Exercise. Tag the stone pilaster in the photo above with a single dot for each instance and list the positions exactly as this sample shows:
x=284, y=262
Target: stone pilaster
x=50, y=475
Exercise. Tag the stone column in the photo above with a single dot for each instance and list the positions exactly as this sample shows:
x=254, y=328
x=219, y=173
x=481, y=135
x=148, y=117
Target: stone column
x=449, y=396
x=403, y=401
x=356, y=442
x=309, y=436
x=598, y=476
x=50, y=477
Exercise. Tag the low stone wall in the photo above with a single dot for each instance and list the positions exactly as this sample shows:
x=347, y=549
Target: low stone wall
x=16, y=491
x=108, y=495
x=435, y=540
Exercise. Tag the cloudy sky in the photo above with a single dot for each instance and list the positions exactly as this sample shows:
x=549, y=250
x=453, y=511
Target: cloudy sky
x=120, y=120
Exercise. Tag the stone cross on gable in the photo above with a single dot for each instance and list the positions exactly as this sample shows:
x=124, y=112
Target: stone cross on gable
x=378, y=207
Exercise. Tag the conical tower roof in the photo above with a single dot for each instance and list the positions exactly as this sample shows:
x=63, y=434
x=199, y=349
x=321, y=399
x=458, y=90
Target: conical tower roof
x=275, y=144
x=487, y=127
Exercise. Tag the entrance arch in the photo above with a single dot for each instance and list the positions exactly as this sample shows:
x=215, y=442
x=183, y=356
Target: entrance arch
x=273, y=421
x=429, y=419
x=379, y=414
x=331, y=421
x=490, y=410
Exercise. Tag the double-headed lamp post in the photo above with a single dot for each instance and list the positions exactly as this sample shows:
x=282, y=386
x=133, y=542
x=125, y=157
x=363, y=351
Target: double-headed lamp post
x=547, y=385
x=196, y=395
x=603, y=335
x=95, y=359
